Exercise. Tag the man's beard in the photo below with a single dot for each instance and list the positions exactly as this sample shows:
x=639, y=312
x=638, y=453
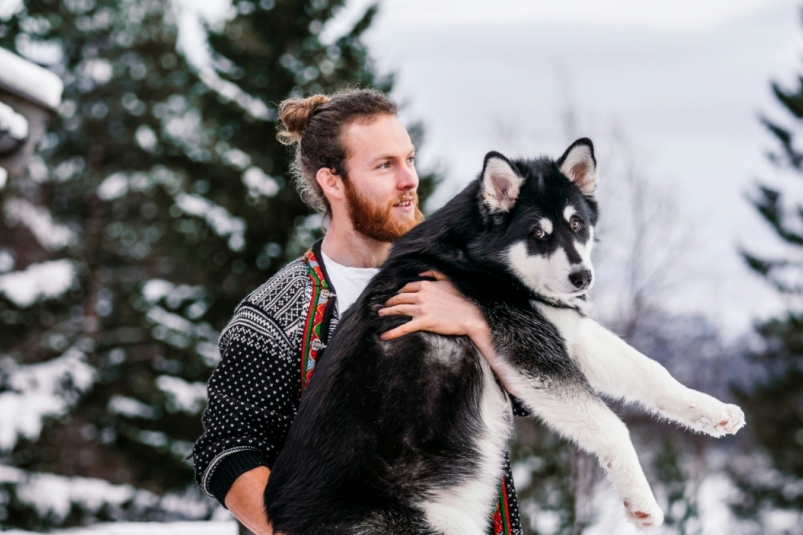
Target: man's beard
x=378, y=222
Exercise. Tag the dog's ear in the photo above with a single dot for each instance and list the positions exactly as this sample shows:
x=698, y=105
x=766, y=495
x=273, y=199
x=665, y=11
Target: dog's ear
x=500, y=182
x=580, y=166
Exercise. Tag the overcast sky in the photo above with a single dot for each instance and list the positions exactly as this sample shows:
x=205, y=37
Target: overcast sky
x=684, y=81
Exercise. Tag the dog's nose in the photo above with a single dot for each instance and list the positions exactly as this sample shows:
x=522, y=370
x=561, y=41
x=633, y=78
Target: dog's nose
x=580, y=279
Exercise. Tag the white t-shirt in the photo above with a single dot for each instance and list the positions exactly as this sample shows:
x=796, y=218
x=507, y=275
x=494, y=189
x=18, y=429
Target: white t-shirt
x=349, y=282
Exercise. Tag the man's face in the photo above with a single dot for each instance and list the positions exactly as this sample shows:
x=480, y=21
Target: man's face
x=381, y=184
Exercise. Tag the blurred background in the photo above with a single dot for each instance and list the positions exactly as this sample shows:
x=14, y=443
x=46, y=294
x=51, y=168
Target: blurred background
x=143, y=195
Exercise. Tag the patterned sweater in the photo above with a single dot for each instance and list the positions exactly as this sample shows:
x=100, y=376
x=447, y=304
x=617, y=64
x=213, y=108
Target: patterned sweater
x=268, y=353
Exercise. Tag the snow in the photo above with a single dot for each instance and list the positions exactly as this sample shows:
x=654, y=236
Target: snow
x=232, y=93
x=174, y=295
x=237, y=158
x=215, y=527
x=38, y=391
x=8, y=8
x=130, y=407
x=47, y=280
x=6, y=260
x=259, y=184
x=171, y=321
x=100, y=70
x=54, y=496
x=118, y=184
x=146, y=138
x=12, y=122
x=209, y=352
x=183, y=396
x=218, y=218
x=29, y=80
x=51, y=235
x=113, y=186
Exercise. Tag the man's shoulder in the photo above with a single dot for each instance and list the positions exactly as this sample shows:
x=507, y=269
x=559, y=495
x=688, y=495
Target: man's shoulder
x=286, y=284
x=278, y=307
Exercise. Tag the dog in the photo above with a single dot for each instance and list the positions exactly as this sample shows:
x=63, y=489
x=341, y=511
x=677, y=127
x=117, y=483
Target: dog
x=408, y=436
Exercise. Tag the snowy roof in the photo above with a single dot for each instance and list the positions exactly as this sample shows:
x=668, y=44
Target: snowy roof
x=29, y=81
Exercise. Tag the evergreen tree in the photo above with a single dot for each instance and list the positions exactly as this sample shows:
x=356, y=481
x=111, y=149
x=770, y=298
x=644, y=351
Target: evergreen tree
x=156, y=203
x=682, y=513
x=773, y=403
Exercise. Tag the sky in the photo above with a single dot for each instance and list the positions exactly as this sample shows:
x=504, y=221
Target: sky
x=684, y=82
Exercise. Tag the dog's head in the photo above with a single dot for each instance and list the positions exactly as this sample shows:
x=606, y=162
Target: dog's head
x=541, y=214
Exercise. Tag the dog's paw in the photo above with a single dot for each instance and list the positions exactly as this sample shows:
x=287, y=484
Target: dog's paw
x=719, y=419
x=644, y=512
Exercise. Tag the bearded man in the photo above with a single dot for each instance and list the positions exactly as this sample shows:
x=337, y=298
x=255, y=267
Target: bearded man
x=355, y=163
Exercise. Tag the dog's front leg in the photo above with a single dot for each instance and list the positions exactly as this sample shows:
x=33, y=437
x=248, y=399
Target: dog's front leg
x=615, y=368
x=572, y=409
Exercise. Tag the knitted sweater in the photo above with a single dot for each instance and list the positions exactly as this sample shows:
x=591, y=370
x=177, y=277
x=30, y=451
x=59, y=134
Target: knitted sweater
x=268, y=353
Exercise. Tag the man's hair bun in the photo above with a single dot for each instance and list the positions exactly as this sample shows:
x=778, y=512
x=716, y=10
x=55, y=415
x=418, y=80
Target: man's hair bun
x=295, y=114
x=314, y=127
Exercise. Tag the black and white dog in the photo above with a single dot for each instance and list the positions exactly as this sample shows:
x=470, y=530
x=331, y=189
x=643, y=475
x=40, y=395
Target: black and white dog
x=408, y=436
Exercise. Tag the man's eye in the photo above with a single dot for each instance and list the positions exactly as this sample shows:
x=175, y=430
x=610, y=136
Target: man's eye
x=411, y=159
x=385, y=165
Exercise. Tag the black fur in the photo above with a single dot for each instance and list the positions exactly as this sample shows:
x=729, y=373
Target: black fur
x=381, y=424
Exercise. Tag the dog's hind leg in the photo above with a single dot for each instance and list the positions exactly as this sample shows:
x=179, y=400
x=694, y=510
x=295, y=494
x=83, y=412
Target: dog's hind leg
x=615, y=368
x=576, y=412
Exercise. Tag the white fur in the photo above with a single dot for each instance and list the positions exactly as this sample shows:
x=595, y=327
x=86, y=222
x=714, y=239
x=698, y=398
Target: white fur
x=618, y=370
x=549, y=275
x=500, y=184
x=568, y=212
x=614, y=368
x=579, y=167
x=546, y=225
x=442, y=348
x=464, y=509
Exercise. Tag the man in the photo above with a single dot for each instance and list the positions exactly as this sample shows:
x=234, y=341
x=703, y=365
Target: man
x=354, y=162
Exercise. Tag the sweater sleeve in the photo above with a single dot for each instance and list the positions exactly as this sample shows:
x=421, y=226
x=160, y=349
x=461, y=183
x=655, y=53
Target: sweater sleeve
x=253, y=397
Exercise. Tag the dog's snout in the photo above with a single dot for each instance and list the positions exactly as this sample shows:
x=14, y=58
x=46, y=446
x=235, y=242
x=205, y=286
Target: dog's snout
x=580, y=279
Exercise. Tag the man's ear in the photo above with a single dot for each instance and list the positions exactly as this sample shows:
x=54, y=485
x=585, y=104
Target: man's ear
x=580, y=166
x=500, y=183
x=330, y=183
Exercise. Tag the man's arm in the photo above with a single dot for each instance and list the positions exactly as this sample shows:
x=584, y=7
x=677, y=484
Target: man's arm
x=438, y=307
x=253, y=394
x=245, y=500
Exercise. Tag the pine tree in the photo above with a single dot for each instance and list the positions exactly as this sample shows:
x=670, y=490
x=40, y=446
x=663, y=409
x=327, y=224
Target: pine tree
x=156, y=203
x=773, y=402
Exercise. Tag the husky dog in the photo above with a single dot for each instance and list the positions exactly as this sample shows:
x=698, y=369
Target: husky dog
x=408, y=436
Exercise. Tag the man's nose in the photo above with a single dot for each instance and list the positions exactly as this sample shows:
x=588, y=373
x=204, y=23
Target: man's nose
x=408, y=178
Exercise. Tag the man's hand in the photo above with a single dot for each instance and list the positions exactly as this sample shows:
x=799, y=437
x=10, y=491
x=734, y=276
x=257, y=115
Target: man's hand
x=246, y=502
x=438, y=307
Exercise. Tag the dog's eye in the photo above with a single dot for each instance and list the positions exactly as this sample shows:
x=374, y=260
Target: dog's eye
x=539, y=233
x=576, y=223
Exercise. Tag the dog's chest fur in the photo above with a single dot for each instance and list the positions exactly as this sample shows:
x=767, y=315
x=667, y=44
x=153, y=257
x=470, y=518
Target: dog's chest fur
x=465, y=506
x=566, y=320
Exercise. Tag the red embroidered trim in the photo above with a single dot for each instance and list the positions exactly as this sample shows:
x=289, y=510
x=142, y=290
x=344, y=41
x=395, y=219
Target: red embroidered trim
x=501, y=516
x=311, y=343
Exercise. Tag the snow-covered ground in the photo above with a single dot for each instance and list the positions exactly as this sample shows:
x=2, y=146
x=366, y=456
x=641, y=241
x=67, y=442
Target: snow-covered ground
x=215, y=527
